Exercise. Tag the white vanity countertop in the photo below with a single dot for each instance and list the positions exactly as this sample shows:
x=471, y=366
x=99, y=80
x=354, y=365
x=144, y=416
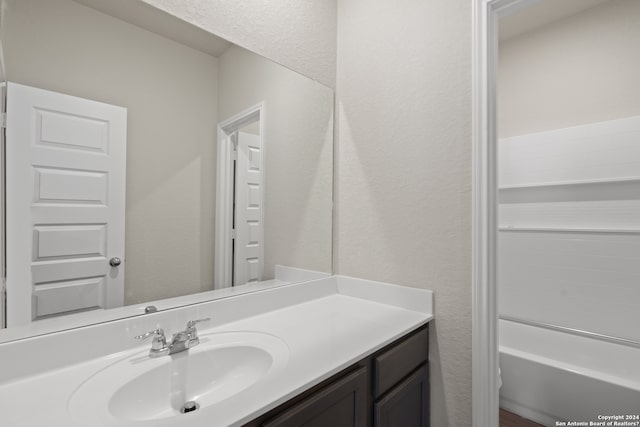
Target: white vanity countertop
x=325, y=333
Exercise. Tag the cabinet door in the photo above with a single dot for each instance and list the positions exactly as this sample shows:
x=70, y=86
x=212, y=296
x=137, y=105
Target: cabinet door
x=407, y=404
x=341, y=404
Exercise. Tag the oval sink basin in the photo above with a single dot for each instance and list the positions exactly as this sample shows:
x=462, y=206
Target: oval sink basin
x=140, y=388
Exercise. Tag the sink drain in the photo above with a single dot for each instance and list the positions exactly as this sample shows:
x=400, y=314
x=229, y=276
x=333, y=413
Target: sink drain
x=190, y=406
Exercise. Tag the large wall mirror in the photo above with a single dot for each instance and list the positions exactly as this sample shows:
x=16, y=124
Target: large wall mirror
x=148, y=161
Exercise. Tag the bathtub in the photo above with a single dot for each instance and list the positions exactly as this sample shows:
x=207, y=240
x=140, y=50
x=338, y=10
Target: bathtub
x=550, y=375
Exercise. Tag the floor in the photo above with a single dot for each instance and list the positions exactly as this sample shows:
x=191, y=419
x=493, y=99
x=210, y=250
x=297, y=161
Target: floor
x=507, y=419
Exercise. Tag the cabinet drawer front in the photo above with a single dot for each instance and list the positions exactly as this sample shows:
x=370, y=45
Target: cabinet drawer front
x=407, y=404
x=341, y=404
x=397, y=362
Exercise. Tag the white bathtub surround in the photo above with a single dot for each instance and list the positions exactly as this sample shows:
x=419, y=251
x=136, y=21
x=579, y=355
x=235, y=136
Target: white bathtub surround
x=551, y=375
x=327, y=325
x=569, y=250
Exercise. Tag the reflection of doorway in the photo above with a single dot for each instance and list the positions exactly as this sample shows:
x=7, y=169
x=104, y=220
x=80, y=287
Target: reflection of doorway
x=239, y=235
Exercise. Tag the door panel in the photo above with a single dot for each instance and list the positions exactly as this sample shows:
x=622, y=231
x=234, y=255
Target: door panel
x=69, y=186
x=66, y=162
x=69, y=296
x=88, y=134
x=54, y=241
x=249, y=250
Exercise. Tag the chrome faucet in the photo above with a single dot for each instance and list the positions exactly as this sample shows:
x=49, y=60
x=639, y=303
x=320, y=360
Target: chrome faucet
x=186, y=339
x=181, y=341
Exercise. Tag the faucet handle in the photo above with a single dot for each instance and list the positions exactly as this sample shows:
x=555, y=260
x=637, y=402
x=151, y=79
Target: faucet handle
x=159, y=340
x=192, y=323
x=193, y=332
x=157, y=332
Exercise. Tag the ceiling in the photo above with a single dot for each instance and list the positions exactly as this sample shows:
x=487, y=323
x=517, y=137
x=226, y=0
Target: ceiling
x=145, y=16
x=540, y=13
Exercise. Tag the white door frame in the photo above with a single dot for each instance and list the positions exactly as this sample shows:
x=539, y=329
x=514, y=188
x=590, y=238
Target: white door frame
x=224, y=189
x=485, y=396
x=3, y=271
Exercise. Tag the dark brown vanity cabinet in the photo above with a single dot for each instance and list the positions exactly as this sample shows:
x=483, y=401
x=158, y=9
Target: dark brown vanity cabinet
x=387, y=389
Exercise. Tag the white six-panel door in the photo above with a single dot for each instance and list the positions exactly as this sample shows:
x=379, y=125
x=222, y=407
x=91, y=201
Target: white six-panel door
x=249, y=240
x=66, y=159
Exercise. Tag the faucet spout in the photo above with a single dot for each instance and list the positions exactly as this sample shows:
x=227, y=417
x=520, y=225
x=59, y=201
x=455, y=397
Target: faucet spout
x=180, y=342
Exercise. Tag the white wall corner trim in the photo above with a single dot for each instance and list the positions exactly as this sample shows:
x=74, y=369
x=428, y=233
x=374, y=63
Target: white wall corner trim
x=485, y=16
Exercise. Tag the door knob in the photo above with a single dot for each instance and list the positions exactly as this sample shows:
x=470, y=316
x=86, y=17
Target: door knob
x=115, y=261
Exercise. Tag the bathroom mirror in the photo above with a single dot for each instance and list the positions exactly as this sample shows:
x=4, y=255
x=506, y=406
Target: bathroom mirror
x=220, y=173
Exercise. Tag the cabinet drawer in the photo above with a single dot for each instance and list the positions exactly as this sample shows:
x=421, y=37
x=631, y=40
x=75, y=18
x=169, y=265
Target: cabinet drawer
x=397, y=362
x=341, y=404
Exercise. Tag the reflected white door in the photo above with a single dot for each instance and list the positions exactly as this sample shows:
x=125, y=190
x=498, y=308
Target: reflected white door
x=249, y=240
x=66, y=159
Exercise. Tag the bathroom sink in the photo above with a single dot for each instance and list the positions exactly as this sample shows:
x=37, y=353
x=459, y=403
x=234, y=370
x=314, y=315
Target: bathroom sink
x=139, y=388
